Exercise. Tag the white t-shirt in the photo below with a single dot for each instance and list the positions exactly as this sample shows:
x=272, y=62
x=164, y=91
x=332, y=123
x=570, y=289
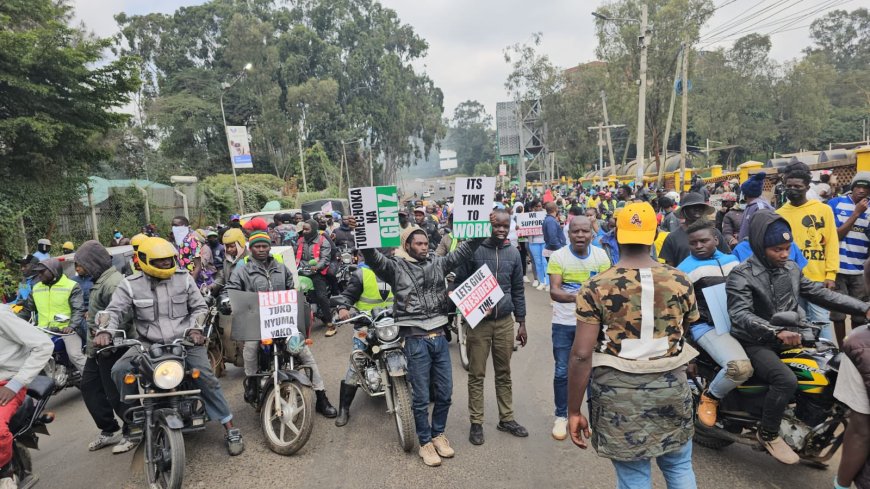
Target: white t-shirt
x=574, y=271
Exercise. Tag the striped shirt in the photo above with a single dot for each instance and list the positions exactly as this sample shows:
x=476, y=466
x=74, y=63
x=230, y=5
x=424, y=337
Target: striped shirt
x=855, y=247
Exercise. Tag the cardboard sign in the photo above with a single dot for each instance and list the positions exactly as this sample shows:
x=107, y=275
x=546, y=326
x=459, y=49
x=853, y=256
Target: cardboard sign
x=717, y=303
x=263, y=315
x=472, y=206
x=530, y=224
x=477, y=295
x=326, y=208
x=376, y=210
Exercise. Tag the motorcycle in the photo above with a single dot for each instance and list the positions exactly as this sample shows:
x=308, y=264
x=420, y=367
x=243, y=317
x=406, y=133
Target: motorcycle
x=29, y=421
x=170, y=406
x=213, y=333
x=59, y=366
x=306, y=286
x=814, y=421
x=346, y=267
x=381, y=368
x=283, y=394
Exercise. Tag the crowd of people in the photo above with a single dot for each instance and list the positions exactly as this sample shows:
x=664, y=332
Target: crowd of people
x=627, y=271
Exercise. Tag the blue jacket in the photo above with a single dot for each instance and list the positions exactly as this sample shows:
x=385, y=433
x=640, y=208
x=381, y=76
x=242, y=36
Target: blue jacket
x=743, y=251
x=554, y=237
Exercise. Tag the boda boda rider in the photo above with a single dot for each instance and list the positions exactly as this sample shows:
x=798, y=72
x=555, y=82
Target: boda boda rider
x=365, y=292
x=315, y=246
x=56, y=294
x=262, y=272
x=165, y=302
x=765, y=284
x=420, y=311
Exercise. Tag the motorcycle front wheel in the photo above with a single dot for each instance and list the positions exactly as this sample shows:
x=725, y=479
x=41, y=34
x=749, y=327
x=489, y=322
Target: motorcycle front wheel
x=402, y=412
x=165, y=470
x=287, y=429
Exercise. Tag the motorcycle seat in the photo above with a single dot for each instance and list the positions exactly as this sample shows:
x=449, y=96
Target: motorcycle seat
x=41, y=387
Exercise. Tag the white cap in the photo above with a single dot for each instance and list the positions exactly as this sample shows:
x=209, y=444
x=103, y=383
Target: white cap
x=44, y=241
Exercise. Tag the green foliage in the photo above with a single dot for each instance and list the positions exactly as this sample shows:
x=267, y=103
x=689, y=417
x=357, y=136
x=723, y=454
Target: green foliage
x=220, y=195
x=471, y=135
x=8, y=281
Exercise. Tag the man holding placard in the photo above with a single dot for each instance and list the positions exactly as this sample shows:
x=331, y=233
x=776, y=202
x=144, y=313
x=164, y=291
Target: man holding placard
x=495, y=331
x=261, y=272
x=420, y=309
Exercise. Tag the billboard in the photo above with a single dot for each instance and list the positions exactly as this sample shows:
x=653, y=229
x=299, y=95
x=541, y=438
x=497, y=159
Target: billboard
x=448, y=159
x=508, y=128
x=240, y=149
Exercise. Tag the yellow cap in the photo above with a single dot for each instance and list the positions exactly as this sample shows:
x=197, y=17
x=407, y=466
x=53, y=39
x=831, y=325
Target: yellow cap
x=68, y=245
x=636, y=224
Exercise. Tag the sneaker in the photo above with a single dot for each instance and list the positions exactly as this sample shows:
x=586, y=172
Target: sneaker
x=779, y=449
x=103, y=440
x=707, y=410
x=526, y=279
x=235, y=443
x=8, y=483
x=560, y=428
x=330, y=330
x=547, y=288
x=513, y=428
x=125, y=445
x=430, y=455
x=442, y=446
x=536, y=283
x=475, y=434
x=541, y=287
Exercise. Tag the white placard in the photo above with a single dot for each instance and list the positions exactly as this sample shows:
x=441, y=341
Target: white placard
x=240, y=149
x=502, y=170
x=376, y=210
x=530, y=224
x=278, y=314
x=477, y=295
x=472, y=206
x=326, y=208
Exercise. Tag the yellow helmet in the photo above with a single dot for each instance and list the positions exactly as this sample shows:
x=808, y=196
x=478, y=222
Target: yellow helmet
x=153, y=248
x=68, y=246
x=137, y=240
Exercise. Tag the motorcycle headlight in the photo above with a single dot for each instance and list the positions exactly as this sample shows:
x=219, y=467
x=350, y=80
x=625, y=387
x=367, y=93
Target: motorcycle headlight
x=168, y=374
x=387, y=331
x=295, y=344
x=346, y=258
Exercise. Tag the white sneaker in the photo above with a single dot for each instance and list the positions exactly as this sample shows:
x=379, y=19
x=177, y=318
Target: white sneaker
x=526, y=279
x=560, y=428
x=8, y=483
x=541, y=287
x=125, y=445
x=536, y=283
x=547, y=288
x=103, y=440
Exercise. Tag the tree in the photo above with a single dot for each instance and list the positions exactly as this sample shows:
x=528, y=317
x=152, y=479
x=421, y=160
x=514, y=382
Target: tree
x=471, y=135
x=58, y=96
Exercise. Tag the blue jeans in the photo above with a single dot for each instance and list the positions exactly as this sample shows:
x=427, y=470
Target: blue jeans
x=819, y=314
x=537, y=251
x=563, y=340
x=429, y=363
x=676, y=467
x=723, y=349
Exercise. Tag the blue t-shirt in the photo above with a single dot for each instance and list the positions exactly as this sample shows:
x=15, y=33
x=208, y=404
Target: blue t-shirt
x=855, y=247
x=743, y=251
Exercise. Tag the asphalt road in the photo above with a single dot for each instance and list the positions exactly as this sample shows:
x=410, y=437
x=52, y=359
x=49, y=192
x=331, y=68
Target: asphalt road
x=366, y=453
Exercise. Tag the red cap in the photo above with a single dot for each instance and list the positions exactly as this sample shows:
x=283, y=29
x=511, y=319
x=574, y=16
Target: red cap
x=256, y=224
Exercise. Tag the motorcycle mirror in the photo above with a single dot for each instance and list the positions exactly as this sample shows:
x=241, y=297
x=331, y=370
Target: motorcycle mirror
x=786, y=319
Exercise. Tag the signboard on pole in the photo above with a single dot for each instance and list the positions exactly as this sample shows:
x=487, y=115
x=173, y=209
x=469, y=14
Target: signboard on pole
x=472, y=206
x=264, y=315
x=530, y=224
x=326, y=208
x=447, y=159
x=477, y=295
x=240, y=150
x=376, y=210
x=502, y=170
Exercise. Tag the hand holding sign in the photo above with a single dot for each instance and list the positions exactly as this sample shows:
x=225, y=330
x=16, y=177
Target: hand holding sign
x=477, y=296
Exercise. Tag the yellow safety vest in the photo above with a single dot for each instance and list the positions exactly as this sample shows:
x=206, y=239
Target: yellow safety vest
x=454, y=243
x=371, y=293
x=277, y=256
x=53, y=300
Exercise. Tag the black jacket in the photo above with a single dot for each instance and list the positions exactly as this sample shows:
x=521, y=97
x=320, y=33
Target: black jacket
x=757, y=290
x=505, y=263
x=418, y=287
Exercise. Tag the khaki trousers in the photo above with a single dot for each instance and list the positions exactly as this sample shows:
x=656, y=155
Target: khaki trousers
x=496, y=335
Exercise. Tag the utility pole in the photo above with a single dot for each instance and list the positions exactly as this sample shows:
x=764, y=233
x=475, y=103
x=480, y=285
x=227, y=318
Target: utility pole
x=601, y=128
x=607, y=123
x=667, y=135
x=301, y=156
x=684, y=118
x=371, y=167
x=641, y=99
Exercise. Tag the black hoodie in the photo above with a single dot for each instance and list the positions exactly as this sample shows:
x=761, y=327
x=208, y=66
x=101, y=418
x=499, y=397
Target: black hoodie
x=757, y=290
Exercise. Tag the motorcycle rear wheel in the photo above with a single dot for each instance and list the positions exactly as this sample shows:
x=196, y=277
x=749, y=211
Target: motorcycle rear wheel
x=402, y=412
x=461, y=339
x=288, y=431
x=166, y=469
x=710, y=442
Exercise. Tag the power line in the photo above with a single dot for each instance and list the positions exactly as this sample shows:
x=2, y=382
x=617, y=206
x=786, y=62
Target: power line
x=783, y=28
x=748, y=27
x=734, y=21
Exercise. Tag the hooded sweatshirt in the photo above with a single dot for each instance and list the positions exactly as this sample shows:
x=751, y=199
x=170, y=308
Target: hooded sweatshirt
x=98, y=264
x=308, y=243
x=815, y=233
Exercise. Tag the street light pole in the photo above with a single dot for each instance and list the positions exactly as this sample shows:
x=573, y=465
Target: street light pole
x=224, y=88
x=641, y=99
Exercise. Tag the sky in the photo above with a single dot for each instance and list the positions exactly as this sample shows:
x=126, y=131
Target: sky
x=467, y=37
